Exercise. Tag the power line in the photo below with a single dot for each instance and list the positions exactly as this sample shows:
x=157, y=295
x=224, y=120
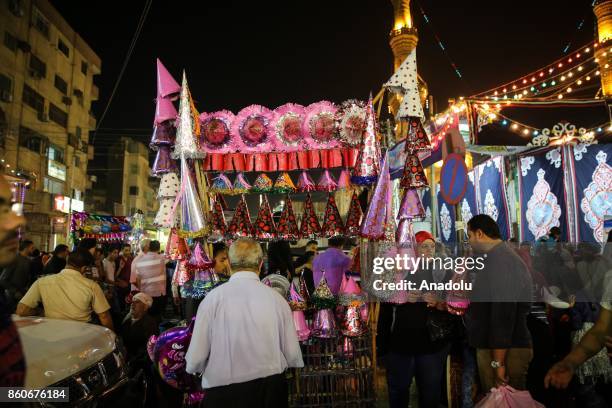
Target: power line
x=143, y=17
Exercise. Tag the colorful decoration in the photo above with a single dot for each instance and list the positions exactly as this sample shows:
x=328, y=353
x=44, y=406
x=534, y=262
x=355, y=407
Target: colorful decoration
x=332, y=222
x=262, y=184
x=167, y=87
x=252, y=127
x=597, y=197
x=163, y=162
x=102, y=227
x=296, y=302
x=241, y=185
x=417, y=139
x=264, y=224
x=305, y=182
x=187, y=126
x=379, y=221
x=351, y=118
x=411, y=206
x=326, y=182
x=414, y=174
x=193, y=223
x=163, y=135
x=543, y=212
x=164, y=111
x=216, y=130
x=284, y=184
x=344, y=180
x=199, y=261
x=350, y=293
x=310, y=226
x=324, y=325
x=166, y=217
x=352, y=324
x=405, y=82
x=240, y=225
x=287, y=228
x=367, y=167
x=353, y=219
x=320, y=124
x=287, y=125
x=168, y=186
x=176, y=248
x=221, y=184
x=219, y=226
x=323, y=298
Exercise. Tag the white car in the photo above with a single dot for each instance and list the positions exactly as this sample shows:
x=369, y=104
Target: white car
x=85, y=358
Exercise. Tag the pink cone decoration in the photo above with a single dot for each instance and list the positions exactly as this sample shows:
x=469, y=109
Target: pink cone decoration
x=344, y=180
x=404, y=232
x=199, y=261
x=264, y=224
x=326, y=182
x=367, y=167
x=379, y=218
x=164, y=111
x=301, y=327
x=332, y=222
x=167, y=87
x=296, y=301
x=163, y=162
x=351, y=325
x=411, y=206
x=324, y=325
x=305, y=182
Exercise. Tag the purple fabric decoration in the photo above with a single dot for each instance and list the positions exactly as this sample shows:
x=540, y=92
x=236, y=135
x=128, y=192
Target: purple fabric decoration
x=163, y=162
x=411, y=206
x=163, y=135
x=379, y=220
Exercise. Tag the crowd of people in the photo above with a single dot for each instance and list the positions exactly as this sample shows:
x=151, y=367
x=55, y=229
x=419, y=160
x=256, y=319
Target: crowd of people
x=244, y=337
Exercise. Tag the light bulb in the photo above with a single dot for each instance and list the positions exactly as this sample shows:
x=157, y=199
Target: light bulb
x=587, y=50
x=550, y=70
x=580, y=68
x=535, y=132
x=541, y=74
x=579, y=82
x=578, y=55
x=560, y=96
x=514, y=126
x=524, y=81
x=569, y=60
x=526, y=132
x=569, y=90
x=607, y=66
x=560, y=65
x=504, y=90
x=525, y=92
x=532, y=79
x=553, y=83
x=513, y=86
x=596, y=72
x=504, y=122
x=543, y=84
x=563, y=78
x=588, y=78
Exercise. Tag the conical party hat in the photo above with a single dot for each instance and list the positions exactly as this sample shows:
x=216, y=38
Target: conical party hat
x=379, y=213
x=187, y=126
x=410, y=106
x=305, y=182
x=324, y=325
x=240, y=225
x=332, y=223
x=417, y=136
x=405, y=77
x=351, y=324
x=176, y=247
x=326, y=182
x=262, y=184
x=353, y=219
x=167, y=87
x=264, y=224
x=165, y=217
x=367, y=166
x=287, y=228
x=310, y=226
x=199, y=261
x=219, y=226
x=284, y=184
x=221, y=184
x=296, y=301
x=344, y=180
x=323, y=298
x=163, y=163
x=241, y=185
x=163, y=135
x=414, y=175
x=411, y=206
x=351, y=294
x=168, y=186
x=192, y=218
x=164, y=111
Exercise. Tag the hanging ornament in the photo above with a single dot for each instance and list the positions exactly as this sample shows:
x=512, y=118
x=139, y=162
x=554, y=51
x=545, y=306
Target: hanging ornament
x=164, y=111
x=380, y=218
x=326, y=182
x=344, y=180
x=164, y=217
x=322, y=297
x=411, y=206
x=168, y=186
x=414, y=175
x=284, y=184
x=215, y=128
x=241, y=185
x=304, y=291
x=320, y=124
x=310, y=226
x=177, y=248
x=351, y=122
x=264, y=224
x=287, y=125
x=305, y=182
x=187, y=126
x=353, y=219
x=262, y=184
x=350, y=294
x=405, y=232
x=240, y=225
x=193, y=223
x=287, y=226
x=351, y=324
x=198, y=261
x=252, y=127
x=219, y=226
x=167, y=87
x=367, y=167
x=296, y=301
x=332, y=222
x=221, y=184
x=163, y=135
x=417, y=139
x=405, y=82
x=163, y=162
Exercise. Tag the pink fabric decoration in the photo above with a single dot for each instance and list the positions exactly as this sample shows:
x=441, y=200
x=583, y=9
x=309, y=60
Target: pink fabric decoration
x=326, y=182
x=167, y=87
x=344, y=180
x=287, y=127
x=319, y=127
x=164, y=110
x=216, y=131
x=411, y=206
x=251, y=130
x=379, y=220
x=350, y=287
x=305, y=182
x=351, y=119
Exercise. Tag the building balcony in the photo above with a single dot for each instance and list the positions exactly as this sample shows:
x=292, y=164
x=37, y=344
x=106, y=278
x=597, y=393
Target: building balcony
x=95, y=93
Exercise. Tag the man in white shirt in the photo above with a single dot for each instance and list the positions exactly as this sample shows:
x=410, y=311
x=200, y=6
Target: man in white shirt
x=150, y=273
x=244, y=337
x=108, y=264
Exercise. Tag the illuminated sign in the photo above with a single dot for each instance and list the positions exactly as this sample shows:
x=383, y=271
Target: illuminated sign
x=77, y=205
x=57, y=170
x=62, y=204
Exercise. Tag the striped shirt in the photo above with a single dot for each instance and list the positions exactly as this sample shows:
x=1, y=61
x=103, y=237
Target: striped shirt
x=150, y=272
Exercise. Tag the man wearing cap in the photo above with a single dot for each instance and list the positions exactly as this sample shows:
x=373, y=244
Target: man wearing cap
x=244, y=337
x=68, y=295
x=138, y=326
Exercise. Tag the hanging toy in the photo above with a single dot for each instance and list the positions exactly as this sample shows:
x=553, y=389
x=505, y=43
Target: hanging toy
x=287, y=228
x=263, y=184
x=241, y=185
x=332, y=223
x=305, y=182
x=326, y=182
x=264, y=224
x=310, y=226
x=284, y=184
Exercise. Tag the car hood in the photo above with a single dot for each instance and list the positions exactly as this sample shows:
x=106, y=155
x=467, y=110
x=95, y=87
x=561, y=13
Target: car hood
x=55, y=349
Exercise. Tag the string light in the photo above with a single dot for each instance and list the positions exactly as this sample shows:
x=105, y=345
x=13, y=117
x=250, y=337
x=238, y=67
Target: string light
x=514, y=126
x=526, y=132
x=560, y=96
x=569, y=90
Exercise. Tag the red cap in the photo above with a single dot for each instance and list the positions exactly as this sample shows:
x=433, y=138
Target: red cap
x=423, y=236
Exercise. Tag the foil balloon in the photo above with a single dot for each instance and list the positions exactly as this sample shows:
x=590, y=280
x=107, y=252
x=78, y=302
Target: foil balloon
x=192, y=218
x=367, y=166
x=241, y=185
x=264, y=224
x=163, y=162
x=326, y=182
x=240, y=225
x=287, y=126
x=187, y=126
x=167, y=87
x=320, y=125
x=305, y=182
x=216, y=131
x=353, y=219
x=324, y=325
x=411, y=206
x=252, y=127
x=351, y=122
x=332, y=222
x=414, y=174
x=310, y=226
x=163, y=135
x=287, y=228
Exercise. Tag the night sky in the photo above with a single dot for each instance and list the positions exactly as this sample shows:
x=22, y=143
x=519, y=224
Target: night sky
x=237, y=53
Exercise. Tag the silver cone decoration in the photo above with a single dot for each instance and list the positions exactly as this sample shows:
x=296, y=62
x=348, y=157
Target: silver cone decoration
x=192, y=219
x=186, y=126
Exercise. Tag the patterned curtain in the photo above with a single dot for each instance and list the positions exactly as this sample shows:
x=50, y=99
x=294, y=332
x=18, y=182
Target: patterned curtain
x=446, y=219
x=491, y=193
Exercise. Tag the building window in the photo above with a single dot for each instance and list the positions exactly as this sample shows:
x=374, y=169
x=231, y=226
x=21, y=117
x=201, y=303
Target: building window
x=133, y=169
x=134, y=190
x=38, y=69
x=77, y=132
x=15, y=7
x=84, y=67
x=58, y=116
x=30, y=139
x=63, y=47
x=41, y=23
x=53, y=186
x=77, y=162
x=6, y=88
x=61, y=85
x=56, y=154
x=33, y=99
x=10, y=42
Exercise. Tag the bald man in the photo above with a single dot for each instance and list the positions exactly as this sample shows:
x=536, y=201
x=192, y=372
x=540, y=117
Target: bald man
x=12, y=365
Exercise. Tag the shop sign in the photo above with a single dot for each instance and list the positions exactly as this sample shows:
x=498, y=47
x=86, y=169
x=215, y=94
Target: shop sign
x=57, y=170
x=62, y=204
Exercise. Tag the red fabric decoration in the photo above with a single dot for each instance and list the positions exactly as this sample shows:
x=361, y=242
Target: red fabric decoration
x=353, y=219
x=241, y=226
x=310, y=226
x=264, y=224
x=417, y=137
x=287, y=228
x=332, y=222
x=414, y=175
x=292, y=161
x=234, y=162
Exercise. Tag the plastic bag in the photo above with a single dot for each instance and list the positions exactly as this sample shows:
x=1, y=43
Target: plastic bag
x=507, y=397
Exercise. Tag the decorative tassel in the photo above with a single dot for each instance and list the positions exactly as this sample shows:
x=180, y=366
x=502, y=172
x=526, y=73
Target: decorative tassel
x=326, y=182
x=305, y=182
